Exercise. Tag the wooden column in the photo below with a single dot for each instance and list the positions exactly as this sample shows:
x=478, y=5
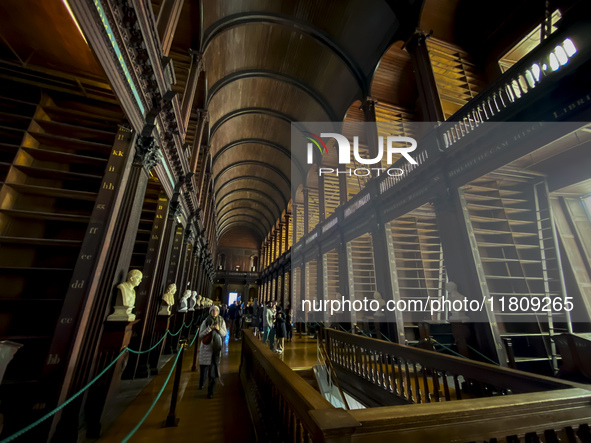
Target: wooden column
x=189, y=95
x=168, y=18
x=145, y=290
x=294, y=222
x=321, y=203
x=176, y=257
x=158, y=286
x=306, y=192
x=287, y=233
x=371, y=129
x=96, y=306
x=343, y=193
x=428, y=95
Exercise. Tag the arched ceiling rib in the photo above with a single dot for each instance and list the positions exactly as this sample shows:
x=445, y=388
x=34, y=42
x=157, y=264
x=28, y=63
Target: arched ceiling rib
x=270, y=63
x=257, y=205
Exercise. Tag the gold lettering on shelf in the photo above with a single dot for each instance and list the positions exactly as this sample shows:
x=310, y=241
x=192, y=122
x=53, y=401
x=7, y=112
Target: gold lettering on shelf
x=53, y=359
x=66, y=320
x=111, y=168
x=102, y=207
x=93, y=230
x=77, y=284
x=118, y=153
x=108, y=186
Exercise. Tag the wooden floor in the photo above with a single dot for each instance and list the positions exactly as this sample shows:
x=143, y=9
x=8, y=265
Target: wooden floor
x=222, y=418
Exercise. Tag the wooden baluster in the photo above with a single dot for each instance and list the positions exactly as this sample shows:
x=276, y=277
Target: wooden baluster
x=417, y=385
x=388, y=383
x=551, y=436
x=426, y=390
x=358, y=360
x=570, y=434
x=584, y=433
x=436, y=385
x=400, y=379
x=373, y=375
x=291, y=425
x=382, y=367
x=408, y=382
x=446, y=387
x=458, y=388
x=393, y=370
x=298, y=433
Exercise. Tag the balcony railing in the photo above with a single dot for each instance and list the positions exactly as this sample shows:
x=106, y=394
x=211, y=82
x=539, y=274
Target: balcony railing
x=284, y=407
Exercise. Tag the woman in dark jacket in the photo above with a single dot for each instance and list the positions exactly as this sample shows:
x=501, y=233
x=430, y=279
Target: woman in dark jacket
x=281, y=330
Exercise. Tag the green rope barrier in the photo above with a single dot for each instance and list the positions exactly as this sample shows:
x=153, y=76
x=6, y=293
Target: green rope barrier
x=482, y=355
x=152, y=348
x=68, y=401
x=194, y=338
x=448, y=349
x=177, y=332
x=137, y=426
x=63, y=405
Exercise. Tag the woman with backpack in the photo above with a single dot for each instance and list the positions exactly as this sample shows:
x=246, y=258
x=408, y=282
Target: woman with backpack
x=211, y=334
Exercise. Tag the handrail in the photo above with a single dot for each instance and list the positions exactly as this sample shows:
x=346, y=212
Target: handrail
x=555, y=416
x=415, y=375
x=301, y=414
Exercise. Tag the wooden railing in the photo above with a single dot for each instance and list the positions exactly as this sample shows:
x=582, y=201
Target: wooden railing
x=383, y=373
x=284, y=407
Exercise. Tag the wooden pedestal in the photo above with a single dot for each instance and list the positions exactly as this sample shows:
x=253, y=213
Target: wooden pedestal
x=176, y=322
x=116, y=336
x=162, y=325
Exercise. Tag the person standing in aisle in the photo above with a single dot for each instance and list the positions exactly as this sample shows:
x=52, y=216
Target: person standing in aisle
x=211, y=334
x=272, y=329
x=289, y=325
x=267, y=321
x=280, y=328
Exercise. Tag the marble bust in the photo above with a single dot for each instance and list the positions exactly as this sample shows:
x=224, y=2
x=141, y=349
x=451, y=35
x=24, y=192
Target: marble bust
x=199, y=302
x=192, y=301
x=167, y=300
x=184, y=301
x=125, y=301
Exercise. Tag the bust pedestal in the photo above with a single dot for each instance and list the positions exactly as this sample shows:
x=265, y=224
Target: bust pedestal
x=162, y=325
x=116, y=336
x=7, y=351
x=172, y=342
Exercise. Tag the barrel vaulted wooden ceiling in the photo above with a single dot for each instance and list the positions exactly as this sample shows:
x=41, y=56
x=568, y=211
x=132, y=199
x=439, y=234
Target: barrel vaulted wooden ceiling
x=268, y=63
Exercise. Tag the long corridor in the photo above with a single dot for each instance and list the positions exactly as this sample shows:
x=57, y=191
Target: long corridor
x=225, y=417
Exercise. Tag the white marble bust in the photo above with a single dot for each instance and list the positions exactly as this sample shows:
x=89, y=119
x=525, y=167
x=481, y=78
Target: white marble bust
x=125, y=301
x=199, y=302
x=167, y=300
x=192, y=301
x=184, y=301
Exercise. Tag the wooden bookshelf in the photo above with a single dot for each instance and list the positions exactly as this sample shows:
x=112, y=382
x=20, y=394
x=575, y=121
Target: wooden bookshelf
x=53, y=155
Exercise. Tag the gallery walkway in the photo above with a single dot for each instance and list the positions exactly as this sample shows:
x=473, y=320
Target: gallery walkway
x=223, y=418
